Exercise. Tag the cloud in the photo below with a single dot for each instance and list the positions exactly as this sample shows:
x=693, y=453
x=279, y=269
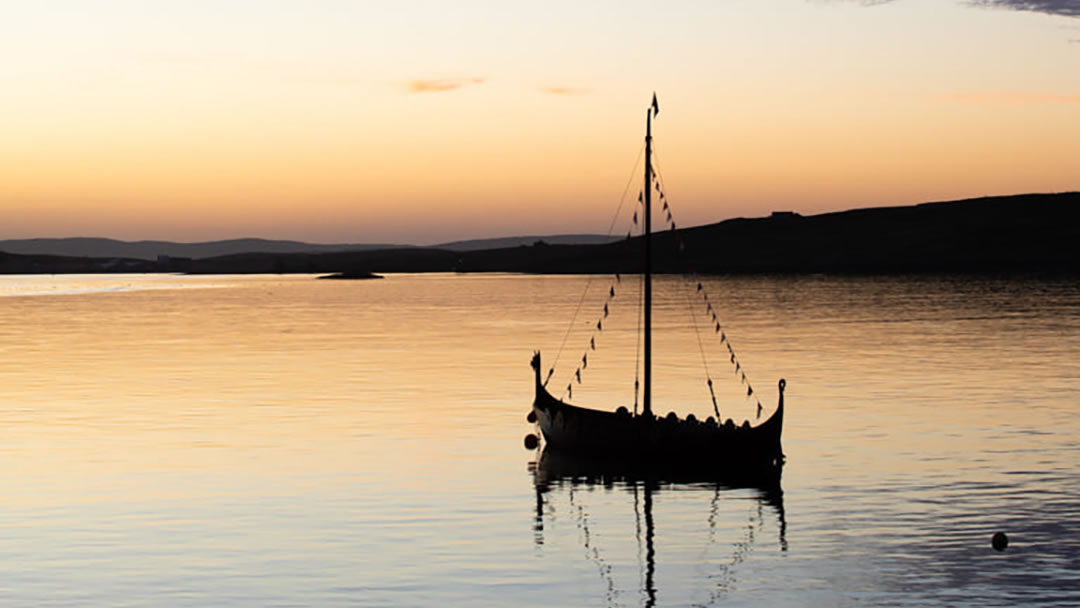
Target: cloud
x=562, y=90
x=1065, y=8
x=1014, y=98
x=862, y=2
x=172, y=57
x=442, y=85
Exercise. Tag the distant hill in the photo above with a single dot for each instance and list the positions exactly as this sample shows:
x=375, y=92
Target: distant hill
x=1034, y=233
x=150, y=250
x=1023, y=234
x=516, y=241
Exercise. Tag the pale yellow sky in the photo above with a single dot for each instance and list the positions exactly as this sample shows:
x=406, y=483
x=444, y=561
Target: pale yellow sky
x=431, y=121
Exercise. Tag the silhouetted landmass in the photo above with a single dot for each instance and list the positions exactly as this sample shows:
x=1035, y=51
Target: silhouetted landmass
x=1035, y=233
x=11, y=263
x=351, y=276
x=517, y=241
x=152, y=250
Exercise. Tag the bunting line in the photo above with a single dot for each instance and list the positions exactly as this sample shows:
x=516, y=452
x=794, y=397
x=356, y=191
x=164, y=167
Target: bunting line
x=710, y=310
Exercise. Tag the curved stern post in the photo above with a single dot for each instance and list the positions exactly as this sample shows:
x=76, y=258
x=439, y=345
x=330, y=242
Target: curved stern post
x=536, y=368
x=779, y=415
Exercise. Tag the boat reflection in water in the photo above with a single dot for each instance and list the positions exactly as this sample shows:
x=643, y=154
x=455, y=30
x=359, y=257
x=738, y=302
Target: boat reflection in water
x=558, y=476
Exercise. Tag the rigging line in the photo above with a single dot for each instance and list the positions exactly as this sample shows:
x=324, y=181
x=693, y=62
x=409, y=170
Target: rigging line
x=629, y=181
x=683, y=255
x=637, y=349
x=701, y=345
x=611, y=226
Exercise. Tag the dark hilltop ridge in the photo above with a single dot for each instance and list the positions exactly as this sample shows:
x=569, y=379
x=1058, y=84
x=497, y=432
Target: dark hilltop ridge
x=153, y=250
x=1021, y=234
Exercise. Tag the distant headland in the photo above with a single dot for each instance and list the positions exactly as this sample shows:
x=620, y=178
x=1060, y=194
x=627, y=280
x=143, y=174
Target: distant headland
x=351, y=276
x=1030, y=233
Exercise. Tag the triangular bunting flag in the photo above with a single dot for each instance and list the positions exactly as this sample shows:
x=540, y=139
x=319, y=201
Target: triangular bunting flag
x=578, y=375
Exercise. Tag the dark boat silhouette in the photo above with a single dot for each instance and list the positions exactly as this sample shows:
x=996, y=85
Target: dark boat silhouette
x=739, y=453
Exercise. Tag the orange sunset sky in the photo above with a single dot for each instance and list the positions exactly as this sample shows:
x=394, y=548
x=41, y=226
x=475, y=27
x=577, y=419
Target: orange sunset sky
x=422, y=122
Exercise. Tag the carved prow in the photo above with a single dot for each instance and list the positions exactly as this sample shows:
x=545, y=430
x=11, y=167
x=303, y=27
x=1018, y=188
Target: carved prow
x=536, y=368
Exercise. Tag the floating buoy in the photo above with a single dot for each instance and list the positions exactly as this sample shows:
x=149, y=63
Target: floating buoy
x=531, y=441
x=999, y=541
x=531, y=417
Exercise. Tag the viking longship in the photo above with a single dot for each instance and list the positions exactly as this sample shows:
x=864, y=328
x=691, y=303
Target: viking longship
x=738, y=451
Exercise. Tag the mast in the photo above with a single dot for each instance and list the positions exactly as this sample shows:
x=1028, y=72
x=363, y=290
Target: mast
x=647, y=395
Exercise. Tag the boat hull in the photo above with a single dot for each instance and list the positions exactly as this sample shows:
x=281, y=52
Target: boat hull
x=731, y=452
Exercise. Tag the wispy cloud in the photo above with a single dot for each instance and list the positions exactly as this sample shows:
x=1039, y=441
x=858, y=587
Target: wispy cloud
x=1014, y=98
x=862, y=2
x=1066, y=8
x=174, y=57
x=562, y=90
x=441, y=85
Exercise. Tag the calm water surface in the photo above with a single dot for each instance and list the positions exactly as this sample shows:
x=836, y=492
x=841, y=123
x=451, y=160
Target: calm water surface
x=259, y=441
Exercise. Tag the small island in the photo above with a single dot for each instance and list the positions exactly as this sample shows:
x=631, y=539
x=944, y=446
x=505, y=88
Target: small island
x=352, y=276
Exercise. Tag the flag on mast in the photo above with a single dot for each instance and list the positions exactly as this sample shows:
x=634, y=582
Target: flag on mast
x=655, y=106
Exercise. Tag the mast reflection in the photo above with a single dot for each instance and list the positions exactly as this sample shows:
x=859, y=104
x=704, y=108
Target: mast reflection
x=555, y=474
